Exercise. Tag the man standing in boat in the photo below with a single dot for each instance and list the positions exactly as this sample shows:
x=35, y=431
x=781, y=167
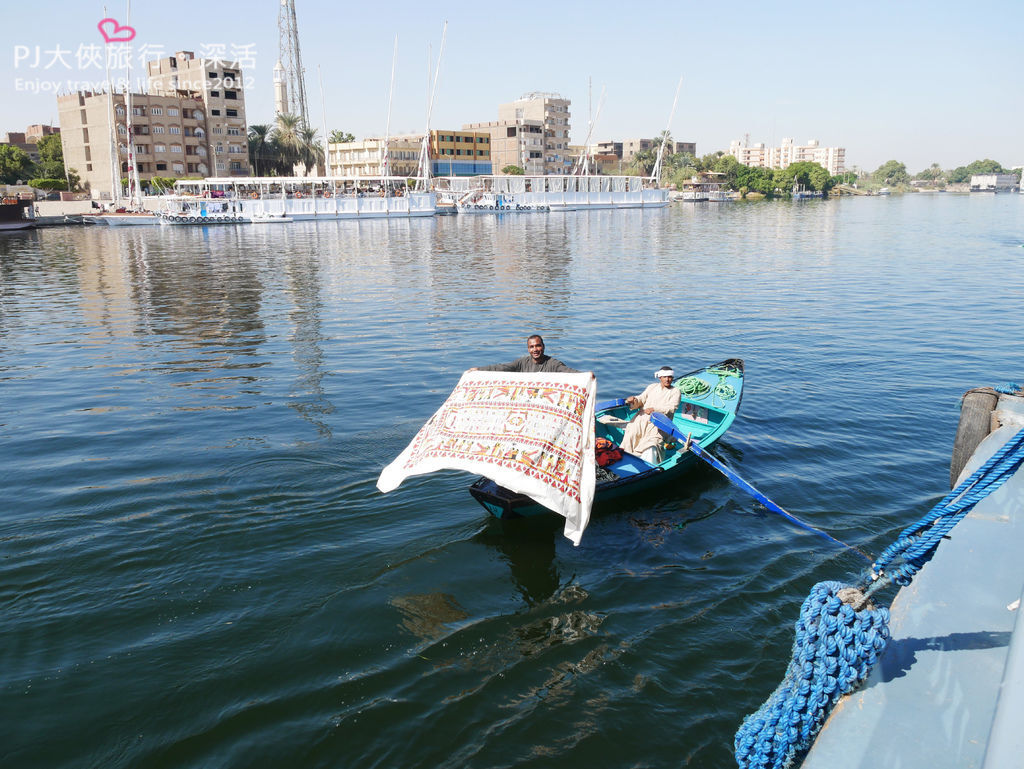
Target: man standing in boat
x=534, y=363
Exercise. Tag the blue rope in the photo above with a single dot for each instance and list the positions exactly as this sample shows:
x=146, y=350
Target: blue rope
x=839, y=636
x=918, y=542
x=834, y=650
x=1010, y=388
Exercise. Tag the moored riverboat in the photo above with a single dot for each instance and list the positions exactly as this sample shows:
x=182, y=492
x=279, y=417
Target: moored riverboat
x=16, y=213
x=314, y=198
x=540, y=194
x=710, y=399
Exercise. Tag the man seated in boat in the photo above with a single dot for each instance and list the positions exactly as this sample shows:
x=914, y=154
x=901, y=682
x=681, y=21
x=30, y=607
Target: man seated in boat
x=641, y=438
x=534, y=363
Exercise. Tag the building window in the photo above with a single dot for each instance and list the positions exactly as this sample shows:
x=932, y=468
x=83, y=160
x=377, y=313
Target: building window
x=231, y=94
x=232, y=131
x=158, y=129
x=174, y=129
x=178, y=168
x=215, y=112
x=156, y=110
x=232, y=113
x=120, y=110
x=122, y=130
x=159, y=148
x=214, y=93
x=236, y=166
x=176, y=148
x=197, y=115
x=161, y=166
x=213, y=75
x=172, y=111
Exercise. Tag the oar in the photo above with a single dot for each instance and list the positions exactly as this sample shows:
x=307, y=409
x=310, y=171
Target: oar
x=666, y=425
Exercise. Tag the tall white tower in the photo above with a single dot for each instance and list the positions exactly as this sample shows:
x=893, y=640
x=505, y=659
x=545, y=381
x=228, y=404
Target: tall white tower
x=280, y=90
x=293, y=75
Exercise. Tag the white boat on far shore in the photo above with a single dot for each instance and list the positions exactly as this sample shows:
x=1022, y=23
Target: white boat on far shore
x=529, y=194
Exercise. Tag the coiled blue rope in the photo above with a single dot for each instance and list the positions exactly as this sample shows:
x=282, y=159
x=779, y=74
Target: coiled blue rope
x=839, y=635
x=834, y=650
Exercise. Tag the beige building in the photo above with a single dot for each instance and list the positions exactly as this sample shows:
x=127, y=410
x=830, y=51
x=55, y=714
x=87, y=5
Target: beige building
x=532, y=133
x=449, y=153
x=218, y=85
x=366, y=158
x=191, y=123
x=627, y=149
x=833, y=159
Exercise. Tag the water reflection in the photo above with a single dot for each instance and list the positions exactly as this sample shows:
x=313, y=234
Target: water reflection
x=527, y=545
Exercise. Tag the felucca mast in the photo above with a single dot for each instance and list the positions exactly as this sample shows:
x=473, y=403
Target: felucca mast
x=424, y=165
x=583, y=162
x=385, y=162
x=656, y=173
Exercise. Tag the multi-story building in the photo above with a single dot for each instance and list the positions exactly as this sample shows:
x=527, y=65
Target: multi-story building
x=450, y=153
x=366, y=158
x=181, y=128
x=627, y=149
x=532, y=133
x=218, y=85
x=460, y=153
x=833, y=159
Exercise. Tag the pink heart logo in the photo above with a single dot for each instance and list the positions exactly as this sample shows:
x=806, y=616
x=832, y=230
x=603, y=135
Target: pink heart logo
x=117, y=33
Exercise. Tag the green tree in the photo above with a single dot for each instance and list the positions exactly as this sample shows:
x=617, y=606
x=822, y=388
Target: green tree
x=287, y=143
x=341, y=137
x=964, y=173
x=513, y=170
x=15, y=164
x=933, y=173
x=259, y=141
x=891, y=172
x=51, y=157
x=311, y=151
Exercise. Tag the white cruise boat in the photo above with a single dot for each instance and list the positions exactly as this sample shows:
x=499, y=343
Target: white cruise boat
x=308, y=198
x=533, y=194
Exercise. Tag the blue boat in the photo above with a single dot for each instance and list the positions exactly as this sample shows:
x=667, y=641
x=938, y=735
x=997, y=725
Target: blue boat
x=710, y=399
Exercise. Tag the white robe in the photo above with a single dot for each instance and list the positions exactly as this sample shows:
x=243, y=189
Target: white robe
x=640, y=433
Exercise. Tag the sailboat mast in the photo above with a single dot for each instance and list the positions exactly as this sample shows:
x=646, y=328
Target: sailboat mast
x=115, y=150
x=385, y=160
x=656, y=174
x=424, y=170
x=134, y=187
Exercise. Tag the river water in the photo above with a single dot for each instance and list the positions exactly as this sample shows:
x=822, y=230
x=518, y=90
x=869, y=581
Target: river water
x=196, y=569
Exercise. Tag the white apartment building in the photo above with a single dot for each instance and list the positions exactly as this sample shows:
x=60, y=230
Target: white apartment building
x=532, y=133
x=833, y=159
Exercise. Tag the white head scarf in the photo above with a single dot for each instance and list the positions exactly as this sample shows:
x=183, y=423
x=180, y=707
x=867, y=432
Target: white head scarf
x=664, y=371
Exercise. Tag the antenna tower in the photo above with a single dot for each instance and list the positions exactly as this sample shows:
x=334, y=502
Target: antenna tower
x=291, y=59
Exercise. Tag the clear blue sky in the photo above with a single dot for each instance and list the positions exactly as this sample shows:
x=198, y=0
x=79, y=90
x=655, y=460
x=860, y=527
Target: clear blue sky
x=916, y=82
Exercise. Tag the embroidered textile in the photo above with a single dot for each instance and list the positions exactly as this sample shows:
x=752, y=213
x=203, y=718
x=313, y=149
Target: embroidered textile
x=531, y=433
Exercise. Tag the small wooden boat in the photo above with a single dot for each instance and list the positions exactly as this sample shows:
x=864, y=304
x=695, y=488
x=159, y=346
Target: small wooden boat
x=710, y=399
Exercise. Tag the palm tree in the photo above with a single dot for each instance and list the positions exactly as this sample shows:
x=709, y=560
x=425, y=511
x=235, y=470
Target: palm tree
x=287, y=140
x=341, y=137
x=259, y=146
x=311, y=151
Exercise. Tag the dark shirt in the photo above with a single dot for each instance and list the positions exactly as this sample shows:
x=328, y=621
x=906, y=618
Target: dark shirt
x=526, y=365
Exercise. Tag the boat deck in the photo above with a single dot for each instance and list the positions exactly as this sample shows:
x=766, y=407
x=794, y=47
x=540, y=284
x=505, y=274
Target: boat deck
x=949, y=688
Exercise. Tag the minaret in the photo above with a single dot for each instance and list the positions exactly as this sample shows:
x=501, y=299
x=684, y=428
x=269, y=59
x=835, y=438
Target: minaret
x=280, y=90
